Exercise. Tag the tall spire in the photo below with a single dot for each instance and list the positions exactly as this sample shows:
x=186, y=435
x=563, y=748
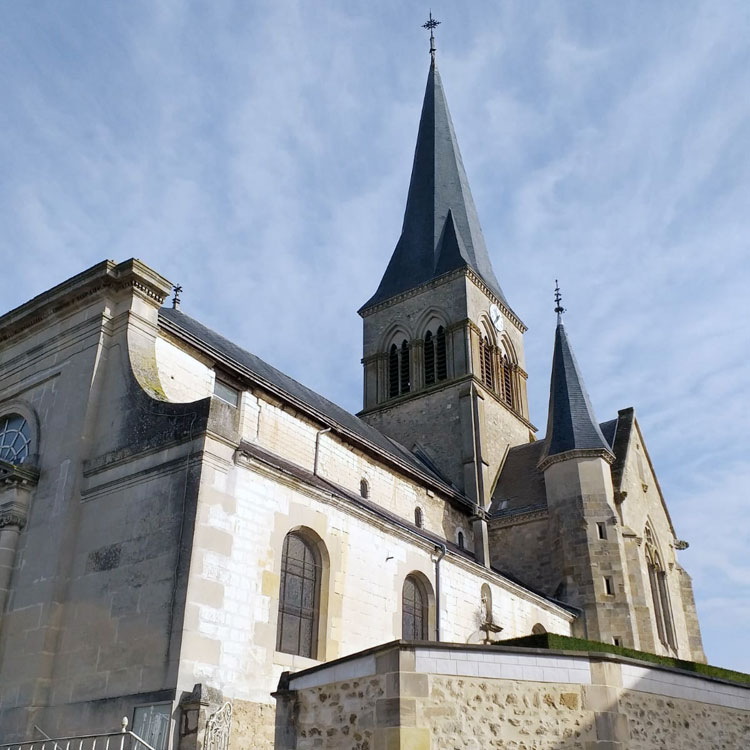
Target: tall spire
x=441, y=231
x=571, y=424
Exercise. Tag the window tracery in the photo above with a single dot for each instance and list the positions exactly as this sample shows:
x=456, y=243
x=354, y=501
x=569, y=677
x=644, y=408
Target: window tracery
x=15, y=439
x=657, y=577
x=414, y=615
x=299, y=597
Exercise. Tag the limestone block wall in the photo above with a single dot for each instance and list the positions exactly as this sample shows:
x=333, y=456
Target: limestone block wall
x=450, y=696
x=642, y=505
x=184, y=376
x=245, y=510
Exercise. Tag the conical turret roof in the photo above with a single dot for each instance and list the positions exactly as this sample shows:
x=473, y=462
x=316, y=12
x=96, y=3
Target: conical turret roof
x=441, y=229
x=571, y=424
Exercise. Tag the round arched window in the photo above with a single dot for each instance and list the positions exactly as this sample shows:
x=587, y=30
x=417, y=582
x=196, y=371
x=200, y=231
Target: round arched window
x=15, y=439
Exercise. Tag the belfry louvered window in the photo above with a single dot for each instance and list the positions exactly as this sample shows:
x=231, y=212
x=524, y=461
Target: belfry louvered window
x=440, y=355
x=393, y=371
x=405, y=374
x=507, y=381
x=299, y=596
x=485, y=354
x=435, y=368
x=429, y=358
x=414, y=611
x=399, y=373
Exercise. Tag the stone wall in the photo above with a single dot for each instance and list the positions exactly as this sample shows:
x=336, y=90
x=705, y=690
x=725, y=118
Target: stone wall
x=450, y=696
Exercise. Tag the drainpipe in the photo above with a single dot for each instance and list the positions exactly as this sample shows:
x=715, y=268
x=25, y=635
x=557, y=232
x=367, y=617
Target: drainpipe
x=317, y=448
x=443, y=550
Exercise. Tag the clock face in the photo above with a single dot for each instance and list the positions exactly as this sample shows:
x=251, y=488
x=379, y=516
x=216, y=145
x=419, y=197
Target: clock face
x=496, y=317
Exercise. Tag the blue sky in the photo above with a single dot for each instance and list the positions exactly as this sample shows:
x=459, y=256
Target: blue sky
x=259, y=153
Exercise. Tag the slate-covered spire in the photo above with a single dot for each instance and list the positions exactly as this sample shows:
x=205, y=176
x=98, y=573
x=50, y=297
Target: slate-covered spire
x=441, y=229
x=571, y=424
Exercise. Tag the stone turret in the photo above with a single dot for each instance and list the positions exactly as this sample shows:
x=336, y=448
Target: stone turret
x=576, y=461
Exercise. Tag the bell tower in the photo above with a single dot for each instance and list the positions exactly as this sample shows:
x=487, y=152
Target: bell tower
x=443, y=356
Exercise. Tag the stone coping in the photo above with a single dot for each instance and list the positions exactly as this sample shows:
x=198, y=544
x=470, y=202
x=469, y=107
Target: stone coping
x=516, y=663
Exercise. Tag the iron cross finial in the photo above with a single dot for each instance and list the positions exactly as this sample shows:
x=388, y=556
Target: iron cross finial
x=176, y=299
x=559, y=309
x=431, y=24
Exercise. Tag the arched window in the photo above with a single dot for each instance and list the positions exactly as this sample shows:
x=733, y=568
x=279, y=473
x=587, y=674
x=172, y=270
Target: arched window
x=657, y=577
x=393, y=371
x=429, y=359
x=485, y=354
x=539, y=629
x=404, y=365
x=15, y=439
x=506, y=369
x=435, y=367
x=299, y=597
x=364, y=488
x=399, y=375
x=414, y=613
x=441, y=360
x=418, y=517
x=460, y=539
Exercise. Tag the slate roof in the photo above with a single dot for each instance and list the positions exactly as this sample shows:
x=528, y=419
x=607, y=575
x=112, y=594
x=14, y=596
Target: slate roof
x=571, y=424
x=521, y=488
x=441, y=231
x=265, y=374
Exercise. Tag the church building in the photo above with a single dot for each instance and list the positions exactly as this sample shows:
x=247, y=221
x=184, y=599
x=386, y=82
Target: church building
x=183, y=527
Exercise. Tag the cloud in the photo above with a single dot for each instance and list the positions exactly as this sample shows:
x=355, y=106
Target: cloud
x=260, y=153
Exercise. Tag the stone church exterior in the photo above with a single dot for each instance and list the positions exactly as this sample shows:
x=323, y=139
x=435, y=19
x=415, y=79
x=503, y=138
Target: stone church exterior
x=181, y=523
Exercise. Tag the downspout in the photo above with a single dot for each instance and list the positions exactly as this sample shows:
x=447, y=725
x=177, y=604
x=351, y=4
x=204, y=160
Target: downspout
x=443, y=549
x=317, y=448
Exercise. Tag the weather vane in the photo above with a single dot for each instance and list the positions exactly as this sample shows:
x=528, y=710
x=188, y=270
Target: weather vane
x=176, y=299
x=559, y=309
x=431, y=24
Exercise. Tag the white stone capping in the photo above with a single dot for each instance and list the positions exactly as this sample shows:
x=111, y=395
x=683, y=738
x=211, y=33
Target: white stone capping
x=677, y=685
x=503, y=665
x=348, y=669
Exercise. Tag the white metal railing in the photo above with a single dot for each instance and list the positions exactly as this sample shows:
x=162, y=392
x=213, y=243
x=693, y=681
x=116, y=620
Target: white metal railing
x=122, y=740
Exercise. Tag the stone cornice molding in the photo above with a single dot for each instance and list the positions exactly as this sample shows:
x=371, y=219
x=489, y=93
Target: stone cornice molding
x=469, y=273
x=546, y=462
x=130, y=275
x=502, y=522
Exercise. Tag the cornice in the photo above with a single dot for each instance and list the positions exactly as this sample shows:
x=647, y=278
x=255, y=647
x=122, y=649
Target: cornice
x=502, y=522
x=546, y=462
x=129, y=275
x=438, y=281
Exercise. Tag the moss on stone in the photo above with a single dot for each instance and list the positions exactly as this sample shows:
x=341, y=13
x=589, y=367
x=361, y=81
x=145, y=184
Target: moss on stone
x=566, y=643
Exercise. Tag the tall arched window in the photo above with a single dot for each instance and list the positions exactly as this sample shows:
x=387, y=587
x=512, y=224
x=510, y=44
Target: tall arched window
x=393, y=371
x=15, y=439
x=405, y=380
x=485, y=354
x=429, y=359
x=399, y=375
x=364, y=488
x=441, y=359
x=414, y=615
x=659, y=592
x=435, y=366
x=299, y=597
x=507, y=380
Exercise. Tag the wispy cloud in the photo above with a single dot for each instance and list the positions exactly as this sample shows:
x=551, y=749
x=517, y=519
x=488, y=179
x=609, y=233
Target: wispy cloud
x=259, y=153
